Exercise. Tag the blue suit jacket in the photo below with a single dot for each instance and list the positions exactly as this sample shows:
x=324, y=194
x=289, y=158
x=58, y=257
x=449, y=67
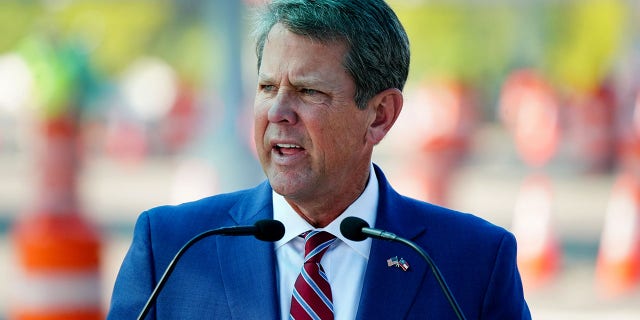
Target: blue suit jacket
x=235, y=277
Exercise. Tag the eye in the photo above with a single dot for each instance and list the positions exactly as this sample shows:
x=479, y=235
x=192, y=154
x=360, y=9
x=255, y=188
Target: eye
x=313, y=95
x=267, y=87
x=309, y=92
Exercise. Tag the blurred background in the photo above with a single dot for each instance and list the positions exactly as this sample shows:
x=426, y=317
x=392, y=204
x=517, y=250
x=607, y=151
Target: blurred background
x=526, y=113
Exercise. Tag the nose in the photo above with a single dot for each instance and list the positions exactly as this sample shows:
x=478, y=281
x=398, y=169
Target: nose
x=282, y=110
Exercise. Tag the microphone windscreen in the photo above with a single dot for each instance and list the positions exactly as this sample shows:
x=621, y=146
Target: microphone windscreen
x=351, y=228
x=269, y=230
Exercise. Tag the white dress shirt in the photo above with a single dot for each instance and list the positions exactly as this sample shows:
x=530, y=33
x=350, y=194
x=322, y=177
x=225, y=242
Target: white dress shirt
x=344, y=262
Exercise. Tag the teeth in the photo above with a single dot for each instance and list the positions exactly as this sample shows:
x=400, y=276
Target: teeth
x=286, y=145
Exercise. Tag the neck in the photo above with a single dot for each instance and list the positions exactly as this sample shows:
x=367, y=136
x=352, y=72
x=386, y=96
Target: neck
x=328, y=207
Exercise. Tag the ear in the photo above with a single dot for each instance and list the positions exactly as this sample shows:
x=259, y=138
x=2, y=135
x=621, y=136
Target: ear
x=386, y=108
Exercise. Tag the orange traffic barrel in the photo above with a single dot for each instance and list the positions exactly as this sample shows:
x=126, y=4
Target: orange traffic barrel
x=57, y=251
x=58, y=258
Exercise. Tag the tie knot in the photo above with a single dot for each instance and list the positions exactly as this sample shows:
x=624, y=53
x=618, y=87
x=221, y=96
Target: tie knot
x=316, y=244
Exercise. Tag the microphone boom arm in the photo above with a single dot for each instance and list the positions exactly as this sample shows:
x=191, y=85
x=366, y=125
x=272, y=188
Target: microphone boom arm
x=437, y=274
x=172, y=265
x=357, y=229
x=265, y=230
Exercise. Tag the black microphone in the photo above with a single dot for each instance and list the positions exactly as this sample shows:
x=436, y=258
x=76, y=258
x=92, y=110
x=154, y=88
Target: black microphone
x=356, y=229
x=265, y=230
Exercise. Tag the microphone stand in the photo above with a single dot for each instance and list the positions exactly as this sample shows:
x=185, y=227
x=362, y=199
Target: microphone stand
x=356, y=229
x=438, y=276
x=249, y=230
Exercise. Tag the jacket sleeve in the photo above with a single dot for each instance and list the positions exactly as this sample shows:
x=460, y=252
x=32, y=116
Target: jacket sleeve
x=504, y=298
x=134, y=282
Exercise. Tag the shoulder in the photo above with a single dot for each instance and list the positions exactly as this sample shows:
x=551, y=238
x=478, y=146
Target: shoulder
x=211, y=212
x=445, y=229
x=450, y=220
x=458, y=240
x=400, y=212
x=463, y=227
x=205, y=206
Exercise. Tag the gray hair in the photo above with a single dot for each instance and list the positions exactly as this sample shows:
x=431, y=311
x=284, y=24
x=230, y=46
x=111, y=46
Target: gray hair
x=378, y=56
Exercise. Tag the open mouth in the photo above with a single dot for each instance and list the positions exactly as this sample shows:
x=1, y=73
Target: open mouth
x=287, y=148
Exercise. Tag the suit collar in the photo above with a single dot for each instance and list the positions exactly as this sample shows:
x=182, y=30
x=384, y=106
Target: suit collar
x=247, y=264
x=254, y=205
x=392, y=212
x=396, y=287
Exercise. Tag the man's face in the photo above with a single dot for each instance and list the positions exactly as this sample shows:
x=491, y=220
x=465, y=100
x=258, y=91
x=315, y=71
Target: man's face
x=310, y=136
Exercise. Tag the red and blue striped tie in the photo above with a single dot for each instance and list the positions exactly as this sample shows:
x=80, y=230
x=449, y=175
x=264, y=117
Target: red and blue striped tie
x=312, y=293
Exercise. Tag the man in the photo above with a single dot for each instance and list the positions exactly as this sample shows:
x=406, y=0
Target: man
x=330, y=75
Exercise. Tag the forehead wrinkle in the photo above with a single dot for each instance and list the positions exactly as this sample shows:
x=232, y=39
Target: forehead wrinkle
x=316, y=77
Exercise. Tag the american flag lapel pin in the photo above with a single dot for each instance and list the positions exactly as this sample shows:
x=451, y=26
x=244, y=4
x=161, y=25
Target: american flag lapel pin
x=398, y=263
x=393, y=261
x=403, y=264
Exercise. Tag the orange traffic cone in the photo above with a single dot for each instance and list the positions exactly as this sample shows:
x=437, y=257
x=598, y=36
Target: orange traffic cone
x=590, y=128
x=439, y=120
x=127, y=141
x=618, y=265
x=58, y=252
x=628, y=140
x=530, y=109
x=539, y=252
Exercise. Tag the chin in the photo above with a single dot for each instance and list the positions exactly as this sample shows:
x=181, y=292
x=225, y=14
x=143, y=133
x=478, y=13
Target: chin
x=285, y=187
x=282, y=189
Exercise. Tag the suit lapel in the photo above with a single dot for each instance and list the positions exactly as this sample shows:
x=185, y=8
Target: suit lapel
x=248, y=265
x=397, y=288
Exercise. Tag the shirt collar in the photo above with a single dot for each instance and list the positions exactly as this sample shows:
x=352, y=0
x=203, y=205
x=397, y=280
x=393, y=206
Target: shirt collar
x=364, y=207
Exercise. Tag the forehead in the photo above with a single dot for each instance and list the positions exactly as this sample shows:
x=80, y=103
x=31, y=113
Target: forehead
x=287, y=50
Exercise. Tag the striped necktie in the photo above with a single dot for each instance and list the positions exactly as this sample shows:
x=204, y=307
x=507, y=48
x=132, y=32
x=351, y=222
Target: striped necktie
x=312, y=294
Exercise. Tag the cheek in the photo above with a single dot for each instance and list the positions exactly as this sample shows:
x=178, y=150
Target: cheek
x=340, y=137
x=352, y=128
x=259, y=125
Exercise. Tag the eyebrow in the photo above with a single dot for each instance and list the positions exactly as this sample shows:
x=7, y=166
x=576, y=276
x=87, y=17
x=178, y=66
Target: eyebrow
x=298, y=82
x=305, y=82
x=264, y=77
